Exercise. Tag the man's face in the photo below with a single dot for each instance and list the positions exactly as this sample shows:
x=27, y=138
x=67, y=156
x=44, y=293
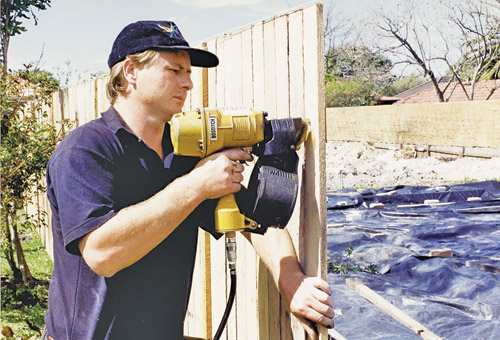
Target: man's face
x=163, y=84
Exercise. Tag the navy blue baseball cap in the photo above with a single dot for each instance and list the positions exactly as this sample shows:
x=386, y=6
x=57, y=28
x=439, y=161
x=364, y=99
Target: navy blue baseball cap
x=160, y=36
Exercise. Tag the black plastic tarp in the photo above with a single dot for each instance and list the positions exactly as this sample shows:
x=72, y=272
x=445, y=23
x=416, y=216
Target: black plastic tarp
x=395, y=229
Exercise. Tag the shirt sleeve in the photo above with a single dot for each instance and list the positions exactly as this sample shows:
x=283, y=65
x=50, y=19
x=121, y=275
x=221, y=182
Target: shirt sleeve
x=81, y=179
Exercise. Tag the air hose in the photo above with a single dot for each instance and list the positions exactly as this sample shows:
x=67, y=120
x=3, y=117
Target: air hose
x=231, y=260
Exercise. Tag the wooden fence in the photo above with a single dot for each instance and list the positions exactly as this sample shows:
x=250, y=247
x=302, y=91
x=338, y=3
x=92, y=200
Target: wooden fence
x=277, y=66
x=469, y=126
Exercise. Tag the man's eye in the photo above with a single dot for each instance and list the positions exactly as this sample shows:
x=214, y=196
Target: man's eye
x=175, y=70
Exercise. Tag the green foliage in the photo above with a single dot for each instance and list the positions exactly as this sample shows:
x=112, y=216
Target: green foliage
x=480, y=27
x=329, y=78
x=353, y=61
x=402, y=84
x=355, y=74
x=13, y=12
x=361, y=64
x=27, y=143
x=21, y=304
x=40, y=262
x=349, y=93
x=343, y=265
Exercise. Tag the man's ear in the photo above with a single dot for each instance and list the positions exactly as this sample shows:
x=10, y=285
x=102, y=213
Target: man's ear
x=130, y=72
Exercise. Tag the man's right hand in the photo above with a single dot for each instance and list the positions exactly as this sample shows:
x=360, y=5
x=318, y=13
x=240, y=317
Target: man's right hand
x=220, y=174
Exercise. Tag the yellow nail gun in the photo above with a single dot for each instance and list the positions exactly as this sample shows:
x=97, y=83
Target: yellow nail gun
x=272, y=190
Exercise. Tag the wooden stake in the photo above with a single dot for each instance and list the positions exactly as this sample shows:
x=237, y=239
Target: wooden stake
x=390, y=309
x=334, y=335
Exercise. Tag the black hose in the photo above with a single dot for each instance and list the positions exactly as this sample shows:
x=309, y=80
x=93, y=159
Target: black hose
x=230, y=300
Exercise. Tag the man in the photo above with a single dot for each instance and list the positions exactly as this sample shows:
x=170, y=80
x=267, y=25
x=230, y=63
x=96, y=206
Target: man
x=126, y=210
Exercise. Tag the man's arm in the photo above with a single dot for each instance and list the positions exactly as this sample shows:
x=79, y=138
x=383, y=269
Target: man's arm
x=308, y=298
x=136, y=230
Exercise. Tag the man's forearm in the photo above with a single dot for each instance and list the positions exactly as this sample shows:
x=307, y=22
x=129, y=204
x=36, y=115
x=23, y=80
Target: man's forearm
x=276, y=250
x=308, y=298
x=136, y=230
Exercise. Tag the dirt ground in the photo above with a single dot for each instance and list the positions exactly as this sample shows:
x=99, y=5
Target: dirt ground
x=360, y=165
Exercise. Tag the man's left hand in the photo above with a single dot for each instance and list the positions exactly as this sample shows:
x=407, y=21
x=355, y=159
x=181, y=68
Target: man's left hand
x=311, y=302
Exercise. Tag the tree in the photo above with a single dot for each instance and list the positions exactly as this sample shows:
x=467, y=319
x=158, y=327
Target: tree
x=27, y=138
x=26, y=145
x=434, y=42
x=337, y=28
x=13, y=12
x=359, y=63
x=479, y=24
x=356, y=76
x=354, y=72
x=402, y=84
x=348, y=93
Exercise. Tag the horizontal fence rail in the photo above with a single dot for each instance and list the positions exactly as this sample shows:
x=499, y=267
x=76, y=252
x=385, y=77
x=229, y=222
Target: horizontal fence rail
x=474, y=124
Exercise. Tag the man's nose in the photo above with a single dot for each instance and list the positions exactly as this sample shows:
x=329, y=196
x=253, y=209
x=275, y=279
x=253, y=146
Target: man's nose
x=186, y=82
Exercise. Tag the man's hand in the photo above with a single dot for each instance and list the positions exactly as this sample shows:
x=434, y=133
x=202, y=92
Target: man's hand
x=311, y=302
x=308, y=298
x=221, y=173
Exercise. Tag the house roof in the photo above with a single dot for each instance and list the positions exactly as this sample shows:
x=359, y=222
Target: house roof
x=419, y=88
x=426, y=93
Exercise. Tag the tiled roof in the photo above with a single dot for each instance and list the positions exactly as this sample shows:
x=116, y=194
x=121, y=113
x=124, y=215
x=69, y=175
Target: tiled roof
x=426, y=93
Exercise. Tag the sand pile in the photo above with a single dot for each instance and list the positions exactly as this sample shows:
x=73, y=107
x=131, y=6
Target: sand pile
x=360, y=165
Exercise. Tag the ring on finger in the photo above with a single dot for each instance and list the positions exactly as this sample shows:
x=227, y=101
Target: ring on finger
x=233, y=167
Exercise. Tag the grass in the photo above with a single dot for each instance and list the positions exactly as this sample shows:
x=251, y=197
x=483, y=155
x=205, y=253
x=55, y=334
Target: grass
x=23, y=308
x=343, y=264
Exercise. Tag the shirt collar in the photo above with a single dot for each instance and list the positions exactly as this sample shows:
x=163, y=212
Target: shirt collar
x=114, y=121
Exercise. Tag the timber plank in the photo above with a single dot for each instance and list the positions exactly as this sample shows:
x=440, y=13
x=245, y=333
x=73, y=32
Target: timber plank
x=471, y=124
x=312, y=248
x=259, y=104
x=270, y=69
x=390, y=309
x=297, y=109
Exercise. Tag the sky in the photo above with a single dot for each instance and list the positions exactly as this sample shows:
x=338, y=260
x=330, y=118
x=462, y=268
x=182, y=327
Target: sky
x=82, y=32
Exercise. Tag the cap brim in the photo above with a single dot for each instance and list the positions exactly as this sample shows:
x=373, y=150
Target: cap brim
x=198, y=56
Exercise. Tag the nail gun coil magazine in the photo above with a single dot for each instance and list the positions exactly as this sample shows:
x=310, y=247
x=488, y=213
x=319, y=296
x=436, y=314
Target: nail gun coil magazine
x=270, y=197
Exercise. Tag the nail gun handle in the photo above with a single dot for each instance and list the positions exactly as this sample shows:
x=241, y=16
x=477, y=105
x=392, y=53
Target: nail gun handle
x=228, y=217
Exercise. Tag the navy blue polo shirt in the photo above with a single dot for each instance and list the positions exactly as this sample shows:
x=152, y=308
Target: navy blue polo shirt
x=98, y=169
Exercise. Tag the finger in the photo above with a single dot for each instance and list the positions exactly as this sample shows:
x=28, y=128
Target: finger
x=238, y=167
x=235, y=187
x=321, y=284
x=318, y=313
x=235, y=171
x=237, y=178
x=237, y=154
x=323, y=309
x=323, y=297
x=319, y=318
x=322, y=303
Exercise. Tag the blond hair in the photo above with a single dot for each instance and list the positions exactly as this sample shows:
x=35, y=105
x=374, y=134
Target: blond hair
x=117, y=82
